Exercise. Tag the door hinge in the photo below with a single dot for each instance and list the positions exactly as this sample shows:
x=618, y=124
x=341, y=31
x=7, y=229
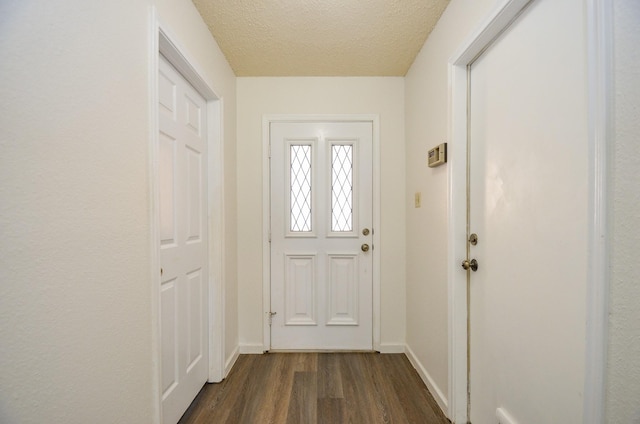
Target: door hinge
x=271, y=314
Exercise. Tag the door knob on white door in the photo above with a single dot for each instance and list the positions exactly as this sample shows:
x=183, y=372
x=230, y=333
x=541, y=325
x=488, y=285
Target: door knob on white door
x=470, y=264
x=365, y=247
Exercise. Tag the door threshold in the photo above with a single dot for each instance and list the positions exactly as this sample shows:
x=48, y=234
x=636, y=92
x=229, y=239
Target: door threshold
x=321, y=351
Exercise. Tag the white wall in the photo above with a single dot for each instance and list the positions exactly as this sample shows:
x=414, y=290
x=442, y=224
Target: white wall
x=426, y=106
x=259, y=96
x=623, y=388
x=75, y=292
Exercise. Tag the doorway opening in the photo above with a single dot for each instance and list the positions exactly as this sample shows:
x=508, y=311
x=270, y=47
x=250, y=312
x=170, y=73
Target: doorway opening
x=344, y=259
x=164, y=48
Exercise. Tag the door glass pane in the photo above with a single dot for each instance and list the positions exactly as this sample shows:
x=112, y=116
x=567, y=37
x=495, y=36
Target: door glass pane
x=300, y=188
x=342, y=188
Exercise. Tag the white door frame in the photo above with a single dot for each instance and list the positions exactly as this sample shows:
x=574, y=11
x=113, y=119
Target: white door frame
x=266, y=212
x=162, y=42
x=599, y=64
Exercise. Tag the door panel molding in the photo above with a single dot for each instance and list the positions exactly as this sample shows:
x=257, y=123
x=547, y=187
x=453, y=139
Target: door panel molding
x=599, y=68
x=342, y=293
x=300, y=288
x=267, y=120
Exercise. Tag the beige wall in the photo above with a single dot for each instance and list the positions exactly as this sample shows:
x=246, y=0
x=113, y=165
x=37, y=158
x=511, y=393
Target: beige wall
x=75, y=302
x=623, y=385
x=426, y=106
x=260, y=96
x=75, y=270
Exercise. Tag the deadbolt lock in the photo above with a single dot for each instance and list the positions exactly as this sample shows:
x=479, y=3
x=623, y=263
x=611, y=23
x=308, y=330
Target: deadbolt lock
x=365, y=247
x=365, y=232
x=473, y=239
x=470, y=265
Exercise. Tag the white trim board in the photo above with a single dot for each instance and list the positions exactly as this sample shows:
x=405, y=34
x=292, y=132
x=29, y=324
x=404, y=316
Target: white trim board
x=428, y=380
x=600, y=109
x=231, y=361
x=599, y=36
x=252, y=348
x=266, y=202
x=163, y=43
x=392, y=348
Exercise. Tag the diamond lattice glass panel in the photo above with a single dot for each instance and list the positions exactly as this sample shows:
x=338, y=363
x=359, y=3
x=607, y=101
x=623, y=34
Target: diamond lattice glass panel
x=300, y=188
x=341, y=188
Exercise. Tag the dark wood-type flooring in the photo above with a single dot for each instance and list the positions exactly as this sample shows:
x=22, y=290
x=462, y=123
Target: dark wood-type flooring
x=332, y=388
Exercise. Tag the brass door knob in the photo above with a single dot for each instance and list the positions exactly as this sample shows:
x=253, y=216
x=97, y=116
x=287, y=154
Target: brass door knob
x=470, y=264
x=365, y=247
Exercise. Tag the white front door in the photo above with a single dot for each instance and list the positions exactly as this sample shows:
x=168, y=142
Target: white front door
x=528, y=207
x=321, y=235
x=183, y=241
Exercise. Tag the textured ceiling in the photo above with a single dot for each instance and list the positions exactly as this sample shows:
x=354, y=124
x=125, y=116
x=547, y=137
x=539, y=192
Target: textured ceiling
x=320, y=37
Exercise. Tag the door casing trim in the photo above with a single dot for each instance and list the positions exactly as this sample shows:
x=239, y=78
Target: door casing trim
x=161, y=41
x=600, y=110
x=266, y=211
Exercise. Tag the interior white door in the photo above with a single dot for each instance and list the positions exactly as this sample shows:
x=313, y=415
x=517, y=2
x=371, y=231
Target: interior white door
x=528, y=207
x=183, y=241
x=321, y=235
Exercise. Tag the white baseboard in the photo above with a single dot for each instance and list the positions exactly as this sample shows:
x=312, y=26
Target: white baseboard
x=252, y=348
x=230, y=362
x=440, y=398
x=392, y=348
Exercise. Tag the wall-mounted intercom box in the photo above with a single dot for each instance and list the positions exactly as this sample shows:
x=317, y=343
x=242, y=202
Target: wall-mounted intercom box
x=437, y=155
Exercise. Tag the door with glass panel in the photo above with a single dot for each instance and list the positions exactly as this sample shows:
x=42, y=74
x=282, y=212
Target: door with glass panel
x=321, y=235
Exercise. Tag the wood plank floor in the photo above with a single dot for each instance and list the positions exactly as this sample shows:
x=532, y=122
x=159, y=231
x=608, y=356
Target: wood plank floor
x=317, y=388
